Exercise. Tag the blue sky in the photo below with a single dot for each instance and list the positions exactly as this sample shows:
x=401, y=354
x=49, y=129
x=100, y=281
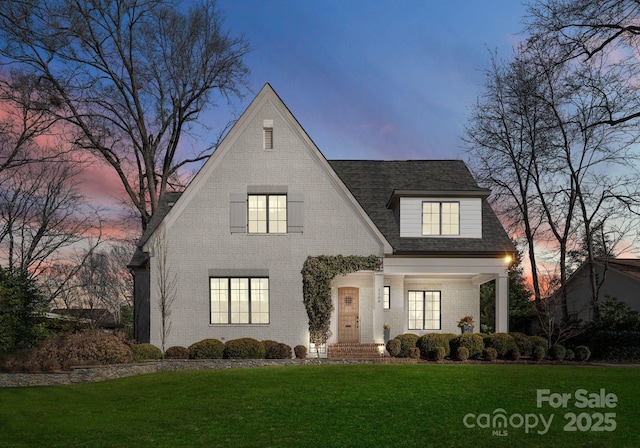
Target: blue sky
x=375, y=79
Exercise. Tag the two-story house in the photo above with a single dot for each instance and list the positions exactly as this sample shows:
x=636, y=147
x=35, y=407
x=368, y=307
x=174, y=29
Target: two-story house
x=236, y=239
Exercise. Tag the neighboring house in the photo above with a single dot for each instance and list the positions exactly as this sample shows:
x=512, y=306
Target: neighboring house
x=98, y=316
x=238, y=236
x=618, y=277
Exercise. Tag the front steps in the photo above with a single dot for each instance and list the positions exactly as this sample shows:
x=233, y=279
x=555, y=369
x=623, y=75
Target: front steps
x=356, y=351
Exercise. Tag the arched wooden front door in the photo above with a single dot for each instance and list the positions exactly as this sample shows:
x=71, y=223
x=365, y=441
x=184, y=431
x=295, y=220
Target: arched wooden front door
x=348, y=315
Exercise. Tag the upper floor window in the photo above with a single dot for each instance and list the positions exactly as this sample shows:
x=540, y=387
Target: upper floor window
x=267, y=213
x=440, y=218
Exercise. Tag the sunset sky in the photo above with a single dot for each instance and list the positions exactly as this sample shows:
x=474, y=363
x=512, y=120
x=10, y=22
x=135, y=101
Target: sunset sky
x=375, y=79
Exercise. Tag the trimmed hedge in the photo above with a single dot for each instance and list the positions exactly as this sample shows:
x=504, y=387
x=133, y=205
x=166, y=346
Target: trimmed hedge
x=538, y=353
x=461, y=353
x=206, y=349
x=143, y=352
x=502, y=342
x=557, y=352
x=177, y=352
x=393, y=347
x=407, y=344
x=278, y=351
x=582, y=353
x=244, y=348
x=471, y=341
x=429, y=342
x=437, y=354
x=523, y=342
x=300, y=351
x=489, y=354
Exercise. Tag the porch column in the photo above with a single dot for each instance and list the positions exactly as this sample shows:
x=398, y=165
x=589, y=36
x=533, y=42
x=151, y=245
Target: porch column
x=378, y=314
x=502, y=303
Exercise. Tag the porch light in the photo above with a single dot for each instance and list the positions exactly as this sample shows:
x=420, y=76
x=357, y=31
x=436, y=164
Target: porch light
x=508, y=259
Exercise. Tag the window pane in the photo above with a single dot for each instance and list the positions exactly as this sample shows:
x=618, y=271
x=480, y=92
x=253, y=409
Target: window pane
x=416, y=311
x=430, y=218
x=450, y=218
x=257, y=213
x=219, y=301
x=386, y=301
x=278, y=214
x=259, y=301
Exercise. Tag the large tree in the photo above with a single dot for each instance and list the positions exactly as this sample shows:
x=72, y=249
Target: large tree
x=130, y=76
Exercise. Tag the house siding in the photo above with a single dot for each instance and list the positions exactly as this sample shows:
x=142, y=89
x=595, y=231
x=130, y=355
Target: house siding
x=200, y=239
x=470, y=216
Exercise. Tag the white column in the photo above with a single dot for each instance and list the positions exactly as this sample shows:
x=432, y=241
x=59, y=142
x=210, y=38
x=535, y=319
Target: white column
x=378, y=315
x=502, y=303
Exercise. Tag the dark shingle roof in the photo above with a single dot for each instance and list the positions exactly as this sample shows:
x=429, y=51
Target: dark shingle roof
x=373, y=183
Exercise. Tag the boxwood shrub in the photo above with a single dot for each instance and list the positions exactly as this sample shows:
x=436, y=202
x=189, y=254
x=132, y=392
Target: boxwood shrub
x=436, y=354
x=557, y=352
x=429, y=342
x=177, y=352
x=206, y=349
x=244, y=348
x=143, y=352
x=461, y=353
x=278, y=351
x=523, y=342
x=489, y=354
x=407, y=343
x=300, y=351
x=393, y=347
x=502, y=342
x=471, y=341
x=582, y=353
x=538, y=353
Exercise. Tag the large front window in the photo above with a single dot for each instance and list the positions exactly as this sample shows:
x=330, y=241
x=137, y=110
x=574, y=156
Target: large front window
x=267, y=213
x=239, y=300
x=424, y=310
x=440, y=218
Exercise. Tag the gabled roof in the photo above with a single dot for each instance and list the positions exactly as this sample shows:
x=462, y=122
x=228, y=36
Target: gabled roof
x=374, y=183
x=626, y=266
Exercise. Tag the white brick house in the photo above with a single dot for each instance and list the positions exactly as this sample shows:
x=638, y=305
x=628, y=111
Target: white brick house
x=238, y=236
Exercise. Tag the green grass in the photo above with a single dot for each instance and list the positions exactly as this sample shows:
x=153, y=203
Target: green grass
x=316, y=406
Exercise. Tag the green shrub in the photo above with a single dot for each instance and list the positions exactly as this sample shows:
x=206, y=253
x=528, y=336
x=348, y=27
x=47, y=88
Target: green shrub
x=582, y=353
x=539, y=341
x=278, y=351
x=429, y=342
x=471, y=341
x=538, y=353
x=414, y=353
x=523, y=342
x=489, y=354
x=143, y=352
x=461, y=353
x=176, y=352
x=268, y=344
x=407, y=343
x=300, y=351
x=437, y=354
x=557, y=352
x=393, y=347
x=206, y=349
x=513, y=354
x=244, y=348
x=502, y=342
x=570, y=355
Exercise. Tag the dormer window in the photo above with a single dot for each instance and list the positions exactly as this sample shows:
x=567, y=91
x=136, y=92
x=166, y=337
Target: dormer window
x=440, y=218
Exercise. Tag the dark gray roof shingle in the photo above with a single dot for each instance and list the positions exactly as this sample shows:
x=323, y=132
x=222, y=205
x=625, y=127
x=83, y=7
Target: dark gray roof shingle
x=373, y=183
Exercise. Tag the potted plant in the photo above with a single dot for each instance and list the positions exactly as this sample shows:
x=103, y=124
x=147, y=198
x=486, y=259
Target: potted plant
x=387, y=332
x=466, y=324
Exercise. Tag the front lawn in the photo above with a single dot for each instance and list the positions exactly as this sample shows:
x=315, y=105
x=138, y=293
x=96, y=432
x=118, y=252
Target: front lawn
x=334, y=405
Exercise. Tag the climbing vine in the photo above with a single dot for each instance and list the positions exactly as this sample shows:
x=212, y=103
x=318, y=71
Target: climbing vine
x=317, y=276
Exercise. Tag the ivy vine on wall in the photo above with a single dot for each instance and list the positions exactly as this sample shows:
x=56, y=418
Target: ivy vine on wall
x=317, y=275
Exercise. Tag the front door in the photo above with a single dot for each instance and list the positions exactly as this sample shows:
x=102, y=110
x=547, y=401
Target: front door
x=348, y=315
